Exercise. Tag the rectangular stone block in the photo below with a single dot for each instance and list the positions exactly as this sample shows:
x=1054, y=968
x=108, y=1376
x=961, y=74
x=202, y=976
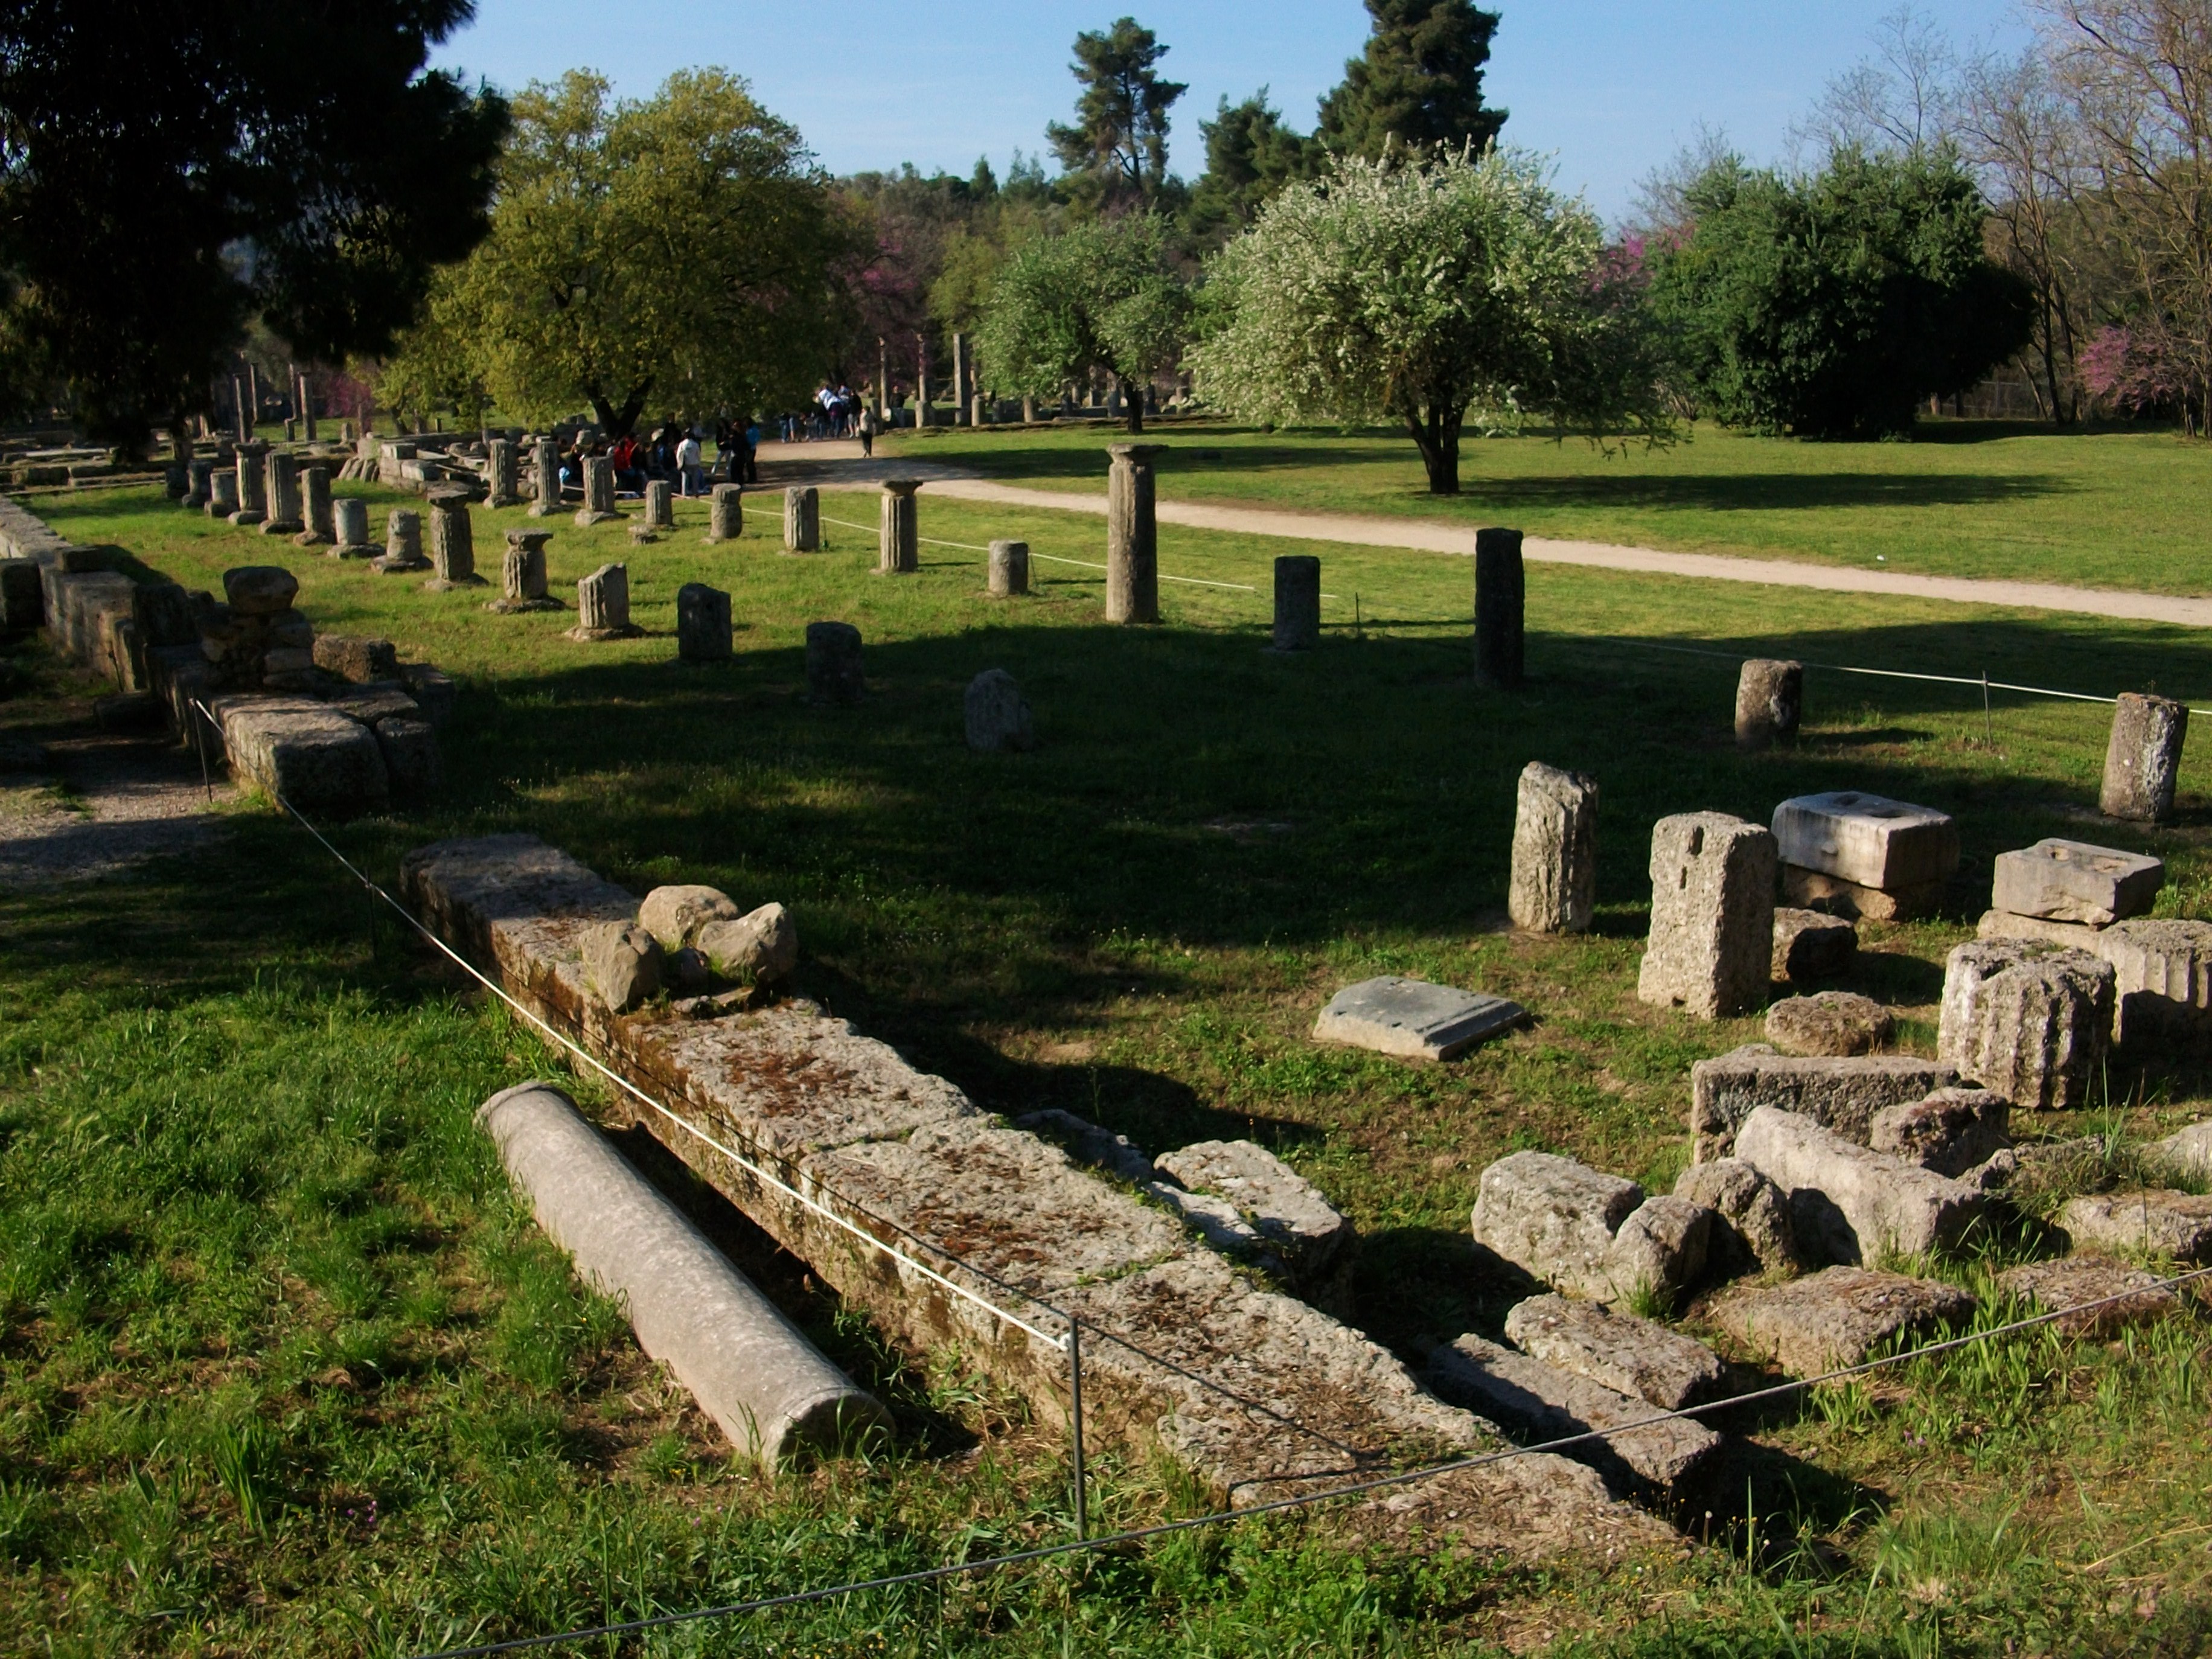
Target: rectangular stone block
x=1618, y=1351
x=1839, y=1317
x=1848, y=1203
x=1554, y=1219
x=310, y=754
x=1838, y=1094
x=1553, y=889
x=1868, y=839
x=1712, y=915
x=1412, y=1018
x=2072, y=881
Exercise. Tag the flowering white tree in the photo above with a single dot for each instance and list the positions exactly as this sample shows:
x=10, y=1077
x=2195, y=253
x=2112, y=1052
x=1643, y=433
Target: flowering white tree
x=1429, y=291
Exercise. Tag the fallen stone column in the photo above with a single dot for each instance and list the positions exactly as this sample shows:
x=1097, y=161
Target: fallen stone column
x=2143, y=759
x=2027, y=1019
x=1553, y=889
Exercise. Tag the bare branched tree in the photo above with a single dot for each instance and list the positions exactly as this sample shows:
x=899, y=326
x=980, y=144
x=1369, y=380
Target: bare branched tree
x=1904, y=99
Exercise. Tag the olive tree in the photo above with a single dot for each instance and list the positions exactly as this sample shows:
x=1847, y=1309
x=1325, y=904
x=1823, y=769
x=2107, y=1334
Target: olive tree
x=1428, y=290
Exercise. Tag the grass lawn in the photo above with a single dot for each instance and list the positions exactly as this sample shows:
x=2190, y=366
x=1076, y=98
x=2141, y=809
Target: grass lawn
x=283, y=1368
x=2108, y=509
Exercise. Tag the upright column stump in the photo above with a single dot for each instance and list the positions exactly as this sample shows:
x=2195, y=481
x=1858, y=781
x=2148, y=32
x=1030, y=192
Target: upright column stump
x=1133, y=539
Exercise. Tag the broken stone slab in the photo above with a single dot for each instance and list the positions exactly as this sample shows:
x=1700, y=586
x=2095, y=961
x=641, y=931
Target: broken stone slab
x=2071, y=1282
x=1868, y=840
x=1951, y=1132
x=1555, y=1219
x=260, y=590
x=2143, y=762
x=1553, y=885
x=303, y=752
x=2030, y=1020
x=1712, y=915
x=1841, y=1094
x=1660, y=1250
x=1088, y=1143
x=1310, y=1237
x=1618, y=1351
x=1833, y=1022
x=410, y=748
x=1849, y=1203
x=358, y=660
x=1751, y=1230
x=2072, y=881
x=760, y=947
x=2189, y=1150
x=1838, y=1317
x=997, y=715
x=1537, y=1402
x=1810, y=946
x=625, y=962
x=1414, y=1019
x=2154, y=1222
x=675, y=914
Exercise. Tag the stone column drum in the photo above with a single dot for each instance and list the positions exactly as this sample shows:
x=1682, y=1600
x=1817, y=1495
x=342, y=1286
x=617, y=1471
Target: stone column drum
x=522, y=574
x=321, y=529
x=1712, y=914
x=833, y=663
x=252, y=484
x=281, y=475
x=196, y=474
x=222, y=493
x=1010, y=569
x=1554, y=883
x=453, y=545
x=901, y=545
x=1133, y=537
x=546, y=500
x=702, y=623
x=403, y=542
x=599, y=492
x=1769, y=696
x=660, y=504
x=725, y=513
x=802, y=519
x=602, y=605
x=1298, y=602
x=350, y=524
x=503, y=469
x=2143, y=759
x=1500, y=599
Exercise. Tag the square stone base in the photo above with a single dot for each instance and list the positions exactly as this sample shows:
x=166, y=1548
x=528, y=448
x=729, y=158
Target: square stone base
x=1810, y=890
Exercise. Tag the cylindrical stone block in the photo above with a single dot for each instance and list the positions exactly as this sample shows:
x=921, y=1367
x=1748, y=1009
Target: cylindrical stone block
x=453, y=546
x=315, y=505
x=802, y=519
x=1554, y=888
x=349, y=522
x=2027, y=1019
x=603, y=599
x=702, y=623
x=252, y=484
x=660, y=504
x=502, y=465
x=546, y=460
x=1712, y=914
x=1769, y=697
x=284, y=518
x=1010, y=568
x=402, y=537
x=1500, y=596
x=1298, y=602
x=2143, y=759
x=900, y=547
x=598, y=491
x=833, y=663
x=1133, y=545
x=725, y=513
x=522, y=572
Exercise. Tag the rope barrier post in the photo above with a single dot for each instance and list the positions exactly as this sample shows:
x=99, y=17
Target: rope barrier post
x=1075, y=1399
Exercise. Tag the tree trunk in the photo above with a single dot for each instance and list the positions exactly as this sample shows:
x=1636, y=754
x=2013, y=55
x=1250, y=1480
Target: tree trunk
x=1437, y=436
x=1132, y=405
x=618, y=422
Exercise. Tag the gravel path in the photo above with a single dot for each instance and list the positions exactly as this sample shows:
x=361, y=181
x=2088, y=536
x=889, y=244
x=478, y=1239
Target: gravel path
x=121, y=801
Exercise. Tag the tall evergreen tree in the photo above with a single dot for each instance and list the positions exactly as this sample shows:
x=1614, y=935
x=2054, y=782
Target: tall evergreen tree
x=1419, y=81
x=1250, y=154
x=1119, y=142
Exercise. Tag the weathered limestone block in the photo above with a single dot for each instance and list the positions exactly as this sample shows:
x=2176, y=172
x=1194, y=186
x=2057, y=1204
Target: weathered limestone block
x=1751, y=1230
x=997, y=715
x=2162, y=979
x=403, y=542
x=1951, y=1132
x=598, y=506
x=252, y=485
x=1841, y=1095
x=1500, y=608
x=761, y=946
x=359, y=660
x=2143, y=759
x=2027, y=1019
x=1303, y=1231
x=675, y=914
x=1865, y=855
x=1769, y=697
x=1661, y=1249
x=453, y=544
x=1618, y=1351
x=802, y=519
x=702, y=623
x=1830, y=1023
x=2073, y=881
x=320, y=526
x=1837, y=1318
x=545, y=478
x=1412, y=1018
x=1849, y=1203
x=725, y=513
x=2083, y=1288
x=833, y=663
x=1010, y=569
x=899, y=544
x=1540, y=1403
x=1132, y=537
x=602, y=605
x=1555, y=1219
x=2155, y=1222
x=309, y=754
x=410, y=747
x=2189, y=1150
x=522, y=574
x=222, y=494
x=1553, y=886
x=260, y=590
x=659, y=504
x=1712, y=915
x=282, y=483
x=1298, y=602
x=350, y=521
x=624, y=963
x=1809, y=946
x=502, y=473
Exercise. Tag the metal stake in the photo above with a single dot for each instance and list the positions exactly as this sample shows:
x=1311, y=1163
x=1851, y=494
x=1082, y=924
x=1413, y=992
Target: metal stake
x=1075, y=1393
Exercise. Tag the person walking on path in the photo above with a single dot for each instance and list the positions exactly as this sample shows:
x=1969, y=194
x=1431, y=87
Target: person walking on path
x=691, y=462
x=866, y=423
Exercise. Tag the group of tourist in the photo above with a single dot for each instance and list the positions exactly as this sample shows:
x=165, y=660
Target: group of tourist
x=835, y=412
x=672, y=452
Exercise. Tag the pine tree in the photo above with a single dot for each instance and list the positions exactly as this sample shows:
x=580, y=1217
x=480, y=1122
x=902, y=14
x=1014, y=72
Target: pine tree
x=1418, y=83
x=1120, y=137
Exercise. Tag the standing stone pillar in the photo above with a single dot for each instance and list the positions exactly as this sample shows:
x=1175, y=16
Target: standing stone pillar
x=222, y=493
x=1500, y=602
x=546, y=500
x=833, y=663
x=241, y=419
x=196, y=474
x=659, y=504
x=921, y=381
x=320, y=528
x=702, y=623
x=725, y=513
x=883, y=380
x=1010, y=569
x=252, y=484
x=503, y=470
x=1554, y=884
x=349, y=522
x=901, y=547
x=2143, y=758
x=802, y=519
x=1028, y=411
x=1132, y=537
x=1711, y=948
x=522, y=574
x=959, y=379
x=602, y=605
x=599, y=492
x=306, y=408
x=403, y=542
x=1769, y=697
x=453, y=546
x=1298, y=602
x=282, y=481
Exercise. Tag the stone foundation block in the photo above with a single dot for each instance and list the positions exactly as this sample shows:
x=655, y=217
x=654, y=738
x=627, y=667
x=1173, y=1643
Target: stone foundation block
x=1839, y=1317
x=1840, y=1094
x=1848, y=1203
x=1712, y=915
x=1618, y=1351
x=2073, y=881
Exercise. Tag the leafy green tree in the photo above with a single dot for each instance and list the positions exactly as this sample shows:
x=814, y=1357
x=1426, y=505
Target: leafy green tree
x=165, y=179
x=1118, y=144
x=1250, y=154
x=1102, y=295
x=1425, y=292
x=1830, y=305
x=1418, y=84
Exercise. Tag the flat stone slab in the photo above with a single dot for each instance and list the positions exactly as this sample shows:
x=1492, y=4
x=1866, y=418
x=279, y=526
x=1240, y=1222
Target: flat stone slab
x=1840, y=1094
x=1868, y=840
x=1304, y=1230
x=1837, y=1317
x=2073, y=881
x=2072, y=1281
x=2156, y=1222
x=1618, y=1351
x=1414, y=1019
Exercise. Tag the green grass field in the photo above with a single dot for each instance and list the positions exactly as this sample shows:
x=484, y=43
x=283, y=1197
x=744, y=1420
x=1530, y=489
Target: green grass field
x=2112, y=510
x=282, y=1369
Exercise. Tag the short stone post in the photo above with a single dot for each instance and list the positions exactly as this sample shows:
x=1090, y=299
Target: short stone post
x=599, y=492
x=2027, y=1019
x=1712, y=915
x=252, y=484
x=833, y=663
x=546, y=500
x=1133, y=537
x=2143, y=758
x=503, y=470
x=1010, y=569
x=1298, y=602
x=997, y=715
x=222, y=493
x=1500, y=601
x=196, y=474
x=1554, y=883
x=453, y=546
x=602, y=605
x=802, y=519
x=403, y=542
x=660, y=504
x=522, y=574
x=281, y=477
x=176, y=482
x=725, y=513
x=702, y=623
x=901, y=543
x=350, y=524
x=317, y=529
x=980, y=408
x=1769, y=696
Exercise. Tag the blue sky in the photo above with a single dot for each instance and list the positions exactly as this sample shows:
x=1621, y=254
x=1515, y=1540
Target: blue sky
x=1611, y=88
